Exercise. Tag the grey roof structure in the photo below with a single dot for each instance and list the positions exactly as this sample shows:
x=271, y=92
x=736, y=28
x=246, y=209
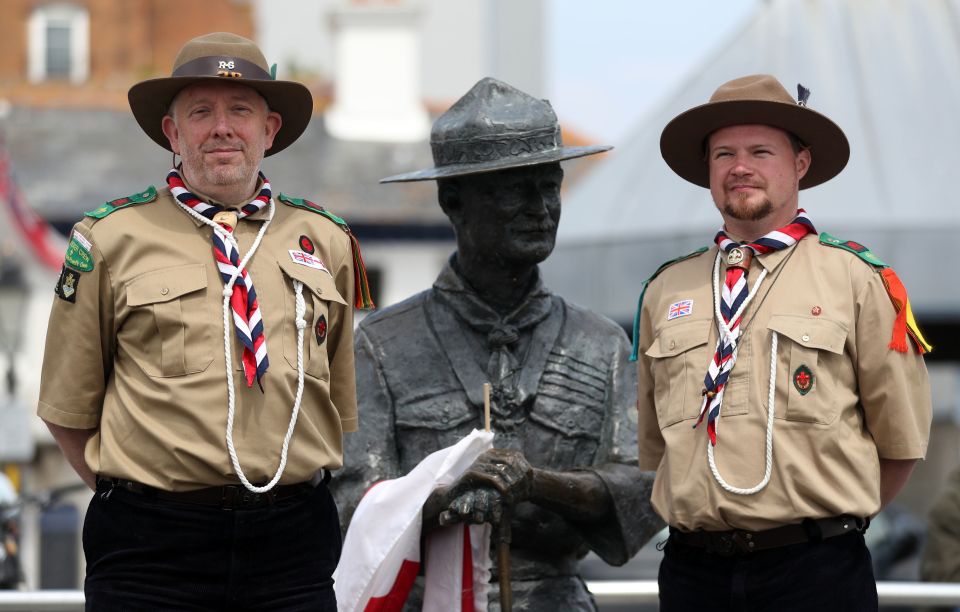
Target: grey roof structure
x=68, y=161
x=884, y=70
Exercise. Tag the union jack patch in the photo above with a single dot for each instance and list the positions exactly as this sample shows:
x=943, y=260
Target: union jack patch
x=307, y=259
x=679, y=309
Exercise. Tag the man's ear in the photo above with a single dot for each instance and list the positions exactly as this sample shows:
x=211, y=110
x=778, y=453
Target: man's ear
x=171, y=132
x=804, y=159
x=271, y=127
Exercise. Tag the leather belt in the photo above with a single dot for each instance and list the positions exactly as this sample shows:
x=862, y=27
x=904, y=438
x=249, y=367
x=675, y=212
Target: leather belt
x=228, y=497
x=739, y=541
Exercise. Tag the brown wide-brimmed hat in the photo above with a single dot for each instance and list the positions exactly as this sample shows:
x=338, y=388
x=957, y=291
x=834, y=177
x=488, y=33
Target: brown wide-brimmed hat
x=494, y=126
x=225, y=57
x=755, y=99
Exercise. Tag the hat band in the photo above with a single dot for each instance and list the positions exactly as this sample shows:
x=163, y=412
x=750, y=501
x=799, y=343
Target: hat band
x=491, y=148
x=222, y=66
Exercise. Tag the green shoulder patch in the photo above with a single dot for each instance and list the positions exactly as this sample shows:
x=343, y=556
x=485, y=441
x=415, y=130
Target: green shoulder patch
x=147, y=195
x=313, y=207
x=636, y=317
x=854, y=247
x=78, y=254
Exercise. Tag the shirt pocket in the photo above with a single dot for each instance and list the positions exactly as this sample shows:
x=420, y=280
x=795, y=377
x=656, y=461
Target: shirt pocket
x=169, y=331
x=428, y=422
x=812, y=350
x=679, y=358
x=319, y=292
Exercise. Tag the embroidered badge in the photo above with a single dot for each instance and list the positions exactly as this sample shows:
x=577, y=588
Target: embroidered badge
x=307, y=259
x=306, y=244
x=679, y=309
x=78, y=253
x=803, y=379
x=67, y=285
x=321, y=329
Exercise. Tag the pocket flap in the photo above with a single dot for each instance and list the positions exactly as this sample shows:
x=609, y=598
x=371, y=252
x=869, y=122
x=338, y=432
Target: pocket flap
x=815, y=332
x=675, y=339
x=318, y=281
x=167, y=284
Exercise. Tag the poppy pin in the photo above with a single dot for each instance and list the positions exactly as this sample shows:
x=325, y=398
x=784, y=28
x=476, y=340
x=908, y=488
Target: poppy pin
x=306, y=244
x=803, y=379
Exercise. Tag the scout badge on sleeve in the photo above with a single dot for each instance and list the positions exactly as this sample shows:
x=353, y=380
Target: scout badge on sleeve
x=306, y=245
x=66, y=288
x=78, y=254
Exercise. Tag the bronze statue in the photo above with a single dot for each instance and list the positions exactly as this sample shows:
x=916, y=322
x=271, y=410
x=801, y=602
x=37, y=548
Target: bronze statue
x=563, y=477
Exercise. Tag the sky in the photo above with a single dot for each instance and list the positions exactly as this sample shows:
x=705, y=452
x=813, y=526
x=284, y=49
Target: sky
x=611, y=63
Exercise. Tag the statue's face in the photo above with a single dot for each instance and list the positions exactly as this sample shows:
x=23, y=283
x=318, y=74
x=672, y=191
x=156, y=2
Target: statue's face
x=511, y=215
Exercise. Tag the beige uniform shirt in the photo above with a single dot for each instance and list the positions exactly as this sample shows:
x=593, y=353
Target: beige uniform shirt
x=865, y=401
x=138, y=350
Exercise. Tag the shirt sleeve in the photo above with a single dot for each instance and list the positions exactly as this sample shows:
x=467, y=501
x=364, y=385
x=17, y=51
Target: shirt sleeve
x=78, y=356
x=343, y=391
x=893, y=387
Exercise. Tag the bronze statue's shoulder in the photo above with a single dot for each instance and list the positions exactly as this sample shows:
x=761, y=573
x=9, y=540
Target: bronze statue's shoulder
x=141, y=197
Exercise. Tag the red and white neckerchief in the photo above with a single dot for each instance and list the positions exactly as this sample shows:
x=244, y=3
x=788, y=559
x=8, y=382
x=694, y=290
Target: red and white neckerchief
x=246, y=309
x=733, y=298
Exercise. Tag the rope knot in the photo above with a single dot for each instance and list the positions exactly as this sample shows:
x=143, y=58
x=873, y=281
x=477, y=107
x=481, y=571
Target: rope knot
x=502, y=336
x=301, y=324
x=228, y=291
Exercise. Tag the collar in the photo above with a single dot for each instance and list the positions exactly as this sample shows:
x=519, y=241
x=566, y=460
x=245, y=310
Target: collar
x=454, y=291
x=260, y=215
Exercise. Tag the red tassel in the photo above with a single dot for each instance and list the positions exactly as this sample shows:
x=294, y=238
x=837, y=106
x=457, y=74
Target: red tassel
x=898, y=295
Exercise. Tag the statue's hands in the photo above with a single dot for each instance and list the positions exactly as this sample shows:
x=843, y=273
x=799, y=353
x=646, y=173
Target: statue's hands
x=497, y=477
x=476, y=506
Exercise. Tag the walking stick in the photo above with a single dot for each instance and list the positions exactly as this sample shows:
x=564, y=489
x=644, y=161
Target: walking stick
x=503, y=529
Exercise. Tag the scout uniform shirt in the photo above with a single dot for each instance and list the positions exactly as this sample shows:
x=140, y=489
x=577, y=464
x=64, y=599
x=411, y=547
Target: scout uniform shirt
x=843, y=398
x=135, y=347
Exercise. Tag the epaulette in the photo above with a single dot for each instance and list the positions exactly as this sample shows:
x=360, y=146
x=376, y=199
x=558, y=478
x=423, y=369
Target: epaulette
x=147, y=195
x=363, y=298
x=904, y=325
x=636, y=318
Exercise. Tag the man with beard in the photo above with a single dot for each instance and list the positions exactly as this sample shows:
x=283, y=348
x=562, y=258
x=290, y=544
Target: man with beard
x=197, y=330
x=782, y=395
x=564, y=463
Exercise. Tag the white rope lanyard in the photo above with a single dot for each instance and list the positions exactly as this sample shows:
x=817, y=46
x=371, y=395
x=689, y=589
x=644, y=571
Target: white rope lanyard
x=301, y=323
x=726, y=334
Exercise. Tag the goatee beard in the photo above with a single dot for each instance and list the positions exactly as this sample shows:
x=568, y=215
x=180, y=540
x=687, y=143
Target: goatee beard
x=748, y=213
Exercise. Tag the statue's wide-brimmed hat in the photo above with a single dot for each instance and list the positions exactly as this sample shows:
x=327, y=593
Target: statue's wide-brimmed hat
x=222, y=57
x=494, y=127
x=756, y=99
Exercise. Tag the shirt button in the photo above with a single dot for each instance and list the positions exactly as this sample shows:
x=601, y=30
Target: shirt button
x=164, y=291
x=673, y=344
x=805, y=338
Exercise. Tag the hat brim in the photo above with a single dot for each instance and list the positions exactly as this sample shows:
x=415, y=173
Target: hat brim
x=519, y=161
x=682, y=142
x=150, y=101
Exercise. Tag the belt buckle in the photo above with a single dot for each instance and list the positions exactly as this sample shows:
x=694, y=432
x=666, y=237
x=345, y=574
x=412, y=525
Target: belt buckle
x=724, y=545
x=743, y=540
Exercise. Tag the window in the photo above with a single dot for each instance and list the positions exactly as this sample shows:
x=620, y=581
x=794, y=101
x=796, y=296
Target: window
x=58, y=36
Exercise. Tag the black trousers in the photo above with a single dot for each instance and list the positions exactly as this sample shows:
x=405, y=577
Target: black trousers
x=152, y=555
x=833, y=574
